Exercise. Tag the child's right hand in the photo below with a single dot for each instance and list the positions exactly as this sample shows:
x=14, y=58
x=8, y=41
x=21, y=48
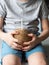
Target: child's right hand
x=11, y=41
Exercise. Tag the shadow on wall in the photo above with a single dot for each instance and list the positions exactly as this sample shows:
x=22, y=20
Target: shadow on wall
x=47, y=3
x=46, y=47
x=47, y=52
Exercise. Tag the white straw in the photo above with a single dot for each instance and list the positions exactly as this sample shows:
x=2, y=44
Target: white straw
x=21, y=23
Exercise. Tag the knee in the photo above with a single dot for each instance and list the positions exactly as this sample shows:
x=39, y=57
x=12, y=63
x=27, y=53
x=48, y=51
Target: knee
x=10, y=60
x=37, y=62
x=40, y=62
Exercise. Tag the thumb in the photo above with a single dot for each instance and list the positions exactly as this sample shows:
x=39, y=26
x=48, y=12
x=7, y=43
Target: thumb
x=14, y=32
x=31, y=34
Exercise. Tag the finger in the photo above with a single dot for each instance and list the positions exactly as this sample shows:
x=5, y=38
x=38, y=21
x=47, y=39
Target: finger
x=15, y=40
x=14, y=32
x=26, y=48
x=34, y=38
x=14, y=47
x=26, y=43
x=31, y=34
x=17, y=45
x=17, y=32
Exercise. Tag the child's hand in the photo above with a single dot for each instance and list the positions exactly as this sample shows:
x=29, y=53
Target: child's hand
x=30, y=44
x=11, y=41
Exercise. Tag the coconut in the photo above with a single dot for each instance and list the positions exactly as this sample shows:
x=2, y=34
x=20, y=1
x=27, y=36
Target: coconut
x=22, y=36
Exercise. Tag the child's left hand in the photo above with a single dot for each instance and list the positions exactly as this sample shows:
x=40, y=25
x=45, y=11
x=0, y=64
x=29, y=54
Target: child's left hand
x=30, y=44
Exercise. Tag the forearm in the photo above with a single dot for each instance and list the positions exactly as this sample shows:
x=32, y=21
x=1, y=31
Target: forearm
x=43, y=36
x=1, y=26
x=1, y=34
x=45, y=31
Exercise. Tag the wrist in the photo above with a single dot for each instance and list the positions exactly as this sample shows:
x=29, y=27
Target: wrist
x=2, y=34
x=37, y=40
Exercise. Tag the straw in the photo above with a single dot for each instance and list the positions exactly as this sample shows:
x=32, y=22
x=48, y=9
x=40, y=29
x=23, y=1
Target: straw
x=21, y=23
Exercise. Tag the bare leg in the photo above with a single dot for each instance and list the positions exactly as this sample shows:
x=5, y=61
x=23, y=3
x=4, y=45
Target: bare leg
x=37, y=58
x=11, y=60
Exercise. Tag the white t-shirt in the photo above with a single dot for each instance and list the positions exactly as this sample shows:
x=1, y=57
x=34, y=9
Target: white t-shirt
x=19, y=14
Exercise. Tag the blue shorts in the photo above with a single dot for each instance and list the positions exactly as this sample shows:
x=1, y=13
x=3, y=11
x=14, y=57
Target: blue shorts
x=6, y=49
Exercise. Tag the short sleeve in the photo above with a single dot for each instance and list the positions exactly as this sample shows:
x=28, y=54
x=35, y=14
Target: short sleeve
x=2, y=9
x=44, y=10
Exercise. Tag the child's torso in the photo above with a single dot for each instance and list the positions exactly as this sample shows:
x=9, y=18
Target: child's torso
x=17, y=11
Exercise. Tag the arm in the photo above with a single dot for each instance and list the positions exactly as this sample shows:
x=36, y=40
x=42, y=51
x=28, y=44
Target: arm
x=8, y=37
x=44, y=20
x=45, y=31
x=1, y=25
x=37, y=39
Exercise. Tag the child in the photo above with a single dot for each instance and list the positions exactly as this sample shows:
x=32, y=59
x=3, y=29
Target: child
x=11, y=13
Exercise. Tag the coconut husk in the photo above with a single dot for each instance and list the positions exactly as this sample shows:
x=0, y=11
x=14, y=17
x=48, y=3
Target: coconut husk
x=22, y=36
